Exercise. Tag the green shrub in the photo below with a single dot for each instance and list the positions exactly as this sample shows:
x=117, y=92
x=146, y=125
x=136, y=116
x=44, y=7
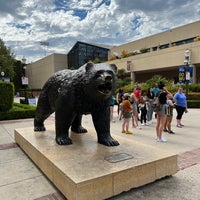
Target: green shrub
x=194, y=96
x=193, y=103
x=194, y=87
x=18, y=111
x=6, y=95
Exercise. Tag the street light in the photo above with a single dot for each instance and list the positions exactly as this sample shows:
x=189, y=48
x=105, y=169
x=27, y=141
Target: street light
x=187, y=61
x=2, y=74
x=24, y=78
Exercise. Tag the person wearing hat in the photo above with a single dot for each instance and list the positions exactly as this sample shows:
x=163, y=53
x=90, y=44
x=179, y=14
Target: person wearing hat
x=127, y=114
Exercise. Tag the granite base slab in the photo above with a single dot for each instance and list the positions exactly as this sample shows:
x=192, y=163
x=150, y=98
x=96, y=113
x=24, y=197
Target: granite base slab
x=88, y=170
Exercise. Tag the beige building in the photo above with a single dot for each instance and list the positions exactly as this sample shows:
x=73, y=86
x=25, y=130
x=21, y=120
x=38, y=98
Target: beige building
x=160, y=54
x=39, y=71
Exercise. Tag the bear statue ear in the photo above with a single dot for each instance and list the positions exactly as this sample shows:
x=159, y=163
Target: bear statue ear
x=89, y=66
x=114, y=67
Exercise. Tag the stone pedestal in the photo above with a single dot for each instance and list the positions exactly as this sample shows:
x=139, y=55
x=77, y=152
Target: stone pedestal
x=88, y=170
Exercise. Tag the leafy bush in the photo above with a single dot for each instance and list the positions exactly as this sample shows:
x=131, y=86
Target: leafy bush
x=18, y=111
x=193, y=103
x=6, y=95
x=193, y=89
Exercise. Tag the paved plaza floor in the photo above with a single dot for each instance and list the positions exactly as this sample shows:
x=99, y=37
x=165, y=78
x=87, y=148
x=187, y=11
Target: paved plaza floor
x=20, y=179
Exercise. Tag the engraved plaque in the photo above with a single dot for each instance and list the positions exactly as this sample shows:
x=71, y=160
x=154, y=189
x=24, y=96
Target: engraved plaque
x=118, y=157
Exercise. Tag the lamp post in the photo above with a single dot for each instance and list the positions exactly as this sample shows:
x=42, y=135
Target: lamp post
x=24, y=79
x=187, y=60
x=2, y=74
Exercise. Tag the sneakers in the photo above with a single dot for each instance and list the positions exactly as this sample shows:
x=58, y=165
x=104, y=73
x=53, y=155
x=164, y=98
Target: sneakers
x=165, y=130
x=161, y=139
x=179, y=126
x=171, y=132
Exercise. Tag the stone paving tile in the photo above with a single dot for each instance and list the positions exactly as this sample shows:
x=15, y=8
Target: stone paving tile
x=189, y=158
x=54, y=196
x=8, y=146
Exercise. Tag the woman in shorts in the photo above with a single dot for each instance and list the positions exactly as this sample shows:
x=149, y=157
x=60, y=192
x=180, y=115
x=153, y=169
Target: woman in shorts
x=127, y=114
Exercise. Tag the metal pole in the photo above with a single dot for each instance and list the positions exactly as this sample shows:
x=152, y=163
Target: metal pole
x=186, y=80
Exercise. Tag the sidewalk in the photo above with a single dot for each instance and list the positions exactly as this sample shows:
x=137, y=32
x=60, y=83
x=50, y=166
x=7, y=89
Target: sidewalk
x=21, y=179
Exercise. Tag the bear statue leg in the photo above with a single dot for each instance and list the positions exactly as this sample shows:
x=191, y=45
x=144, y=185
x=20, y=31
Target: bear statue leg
x=43, y=111
x=63, y=123
x=40, y=117
x=39, y=125
x=101, y=122
x=76, y=125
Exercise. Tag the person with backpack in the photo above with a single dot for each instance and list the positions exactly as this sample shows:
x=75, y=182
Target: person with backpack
x=161, y=112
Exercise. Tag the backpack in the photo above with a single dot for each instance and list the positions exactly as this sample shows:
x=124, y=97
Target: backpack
x=156, y=103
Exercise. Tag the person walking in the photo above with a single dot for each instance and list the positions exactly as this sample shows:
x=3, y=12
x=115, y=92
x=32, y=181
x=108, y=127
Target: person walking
x=162, y=112
x=180, y=105
x=127, y=113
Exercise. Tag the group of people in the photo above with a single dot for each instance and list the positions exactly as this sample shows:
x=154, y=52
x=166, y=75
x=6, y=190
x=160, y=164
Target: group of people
x=139, y=106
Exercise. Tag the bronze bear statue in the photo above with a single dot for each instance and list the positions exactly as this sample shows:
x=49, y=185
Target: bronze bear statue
x=72, y=93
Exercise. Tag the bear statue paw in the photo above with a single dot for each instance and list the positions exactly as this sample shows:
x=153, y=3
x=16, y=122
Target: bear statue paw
x=39, y=128
x=109, y=142
x=80, y=129
x=63, y=140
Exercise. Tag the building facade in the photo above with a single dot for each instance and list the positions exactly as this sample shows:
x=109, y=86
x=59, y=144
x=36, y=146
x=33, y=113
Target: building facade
x=39, y=71
x=82, y=52
x=160, y=54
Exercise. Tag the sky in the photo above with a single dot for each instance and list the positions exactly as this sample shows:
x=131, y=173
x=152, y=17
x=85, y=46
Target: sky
x=33, y=29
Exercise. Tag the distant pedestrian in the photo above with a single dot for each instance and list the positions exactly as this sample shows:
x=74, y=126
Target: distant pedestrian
x=180, y=105
x=150, y=98
x=134, y=101
x=127, y=113
x=155, y=89
x=170, y=106
x=143, y=108
x=119, y=99
x=162, y=112
x=112, y=103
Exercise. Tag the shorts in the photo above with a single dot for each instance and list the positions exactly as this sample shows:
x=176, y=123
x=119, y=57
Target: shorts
x=127, y=115
x=162, y=109
x=134, y=105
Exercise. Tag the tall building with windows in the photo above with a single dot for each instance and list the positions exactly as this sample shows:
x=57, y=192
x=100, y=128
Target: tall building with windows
x=82, y=52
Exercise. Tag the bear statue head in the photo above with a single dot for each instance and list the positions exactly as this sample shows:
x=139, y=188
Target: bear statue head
x=101, y=80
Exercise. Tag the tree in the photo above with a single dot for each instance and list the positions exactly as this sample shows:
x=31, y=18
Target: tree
x=156, y=79
x=7, y=61
x=18, y=69
x=121, y=73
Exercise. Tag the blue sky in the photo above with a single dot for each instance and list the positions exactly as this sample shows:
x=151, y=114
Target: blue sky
x=61, y=23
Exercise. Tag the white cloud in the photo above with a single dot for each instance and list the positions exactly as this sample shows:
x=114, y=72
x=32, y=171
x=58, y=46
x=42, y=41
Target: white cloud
x=24, y=24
